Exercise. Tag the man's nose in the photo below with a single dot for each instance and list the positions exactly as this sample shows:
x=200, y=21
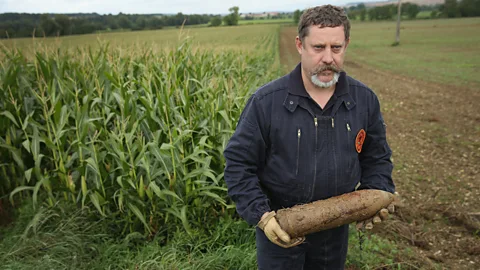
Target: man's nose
x=327, y=56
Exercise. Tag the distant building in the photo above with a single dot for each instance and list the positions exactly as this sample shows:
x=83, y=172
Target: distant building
x=259, y=15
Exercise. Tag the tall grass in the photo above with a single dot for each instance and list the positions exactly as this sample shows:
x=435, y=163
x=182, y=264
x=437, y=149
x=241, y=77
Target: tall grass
x=62, y=237
x=138, y=135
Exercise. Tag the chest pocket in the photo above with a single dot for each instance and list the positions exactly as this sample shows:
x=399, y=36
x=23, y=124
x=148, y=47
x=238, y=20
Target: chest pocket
x=348, y=160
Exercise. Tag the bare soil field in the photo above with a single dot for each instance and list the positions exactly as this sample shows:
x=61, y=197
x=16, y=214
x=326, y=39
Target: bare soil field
x=434, y=132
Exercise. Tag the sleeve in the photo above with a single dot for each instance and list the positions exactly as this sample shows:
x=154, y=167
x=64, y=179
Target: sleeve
x=375, y=158
x=245, y=154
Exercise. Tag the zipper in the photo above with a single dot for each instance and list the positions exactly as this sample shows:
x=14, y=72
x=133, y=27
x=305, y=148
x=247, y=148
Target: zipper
x=299, y=135
x=350, y=140
x=333, y=123
x=335, y=169
x=315, y=158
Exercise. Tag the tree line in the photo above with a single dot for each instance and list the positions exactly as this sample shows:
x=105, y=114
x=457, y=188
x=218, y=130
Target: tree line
x=463, y=8
x=385, y=12
x=450, y=9
x=14, y=25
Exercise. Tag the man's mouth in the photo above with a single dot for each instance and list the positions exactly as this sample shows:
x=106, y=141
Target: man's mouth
x=326, y=73
x=326, y=70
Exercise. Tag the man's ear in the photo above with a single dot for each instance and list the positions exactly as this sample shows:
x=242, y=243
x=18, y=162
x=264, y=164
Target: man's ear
x=298, y=44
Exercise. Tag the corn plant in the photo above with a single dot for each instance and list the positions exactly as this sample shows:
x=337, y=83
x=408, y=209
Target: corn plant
x=137, y=136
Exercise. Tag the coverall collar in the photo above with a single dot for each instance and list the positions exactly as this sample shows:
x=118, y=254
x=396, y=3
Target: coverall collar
x=296, y=86
x=297, y=89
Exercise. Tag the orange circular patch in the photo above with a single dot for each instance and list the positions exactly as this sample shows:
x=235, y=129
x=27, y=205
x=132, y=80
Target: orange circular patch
x=360, y=140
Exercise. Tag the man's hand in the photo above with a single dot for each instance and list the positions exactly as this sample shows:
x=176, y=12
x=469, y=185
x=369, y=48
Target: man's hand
x=379, y=217
x=269, y=225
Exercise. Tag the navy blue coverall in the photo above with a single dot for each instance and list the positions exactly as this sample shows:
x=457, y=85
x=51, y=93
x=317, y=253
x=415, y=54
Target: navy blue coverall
x=287, y=150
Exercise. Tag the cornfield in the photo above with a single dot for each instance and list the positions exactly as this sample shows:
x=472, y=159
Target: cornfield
x=138, y=135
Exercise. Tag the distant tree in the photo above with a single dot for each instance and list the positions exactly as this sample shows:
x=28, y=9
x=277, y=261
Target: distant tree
x=296, y=16
x=411, y=10
x=140, y=23
x=123, y=21
x=234, y=14
x=17, y=25
x=372, y=14
x=363, y=14
x=48, y=26
x=357, y=7
x=154, y=23
x=469, y=8
x=450, y=9
x=216, y=21
x=385, y=12
x=177, y=20
x=232, y=18
x=352, y=14
x=64, y=24
x=82, y=26
x=14, y=25
x=112, y=22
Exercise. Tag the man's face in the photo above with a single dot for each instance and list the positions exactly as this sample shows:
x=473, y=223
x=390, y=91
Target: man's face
x=322, y=53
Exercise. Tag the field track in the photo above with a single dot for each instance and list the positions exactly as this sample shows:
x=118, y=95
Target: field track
x=434, y=132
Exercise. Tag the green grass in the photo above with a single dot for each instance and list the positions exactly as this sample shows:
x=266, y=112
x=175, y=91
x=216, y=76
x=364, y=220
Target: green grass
x=424, y=14
x=375, y=252
x=242, y=38
x=62, y=237
x=65, y=238
x=443, y=51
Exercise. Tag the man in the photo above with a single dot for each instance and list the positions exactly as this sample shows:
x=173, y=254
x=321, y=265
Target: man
x=310, y=135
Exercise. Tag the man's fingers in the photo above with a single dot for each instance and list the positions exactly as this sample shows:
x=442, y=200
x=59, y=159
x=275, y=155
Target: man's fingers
x=383, y=214
x=391, y=208
x=369, y=224
x=295, y=242
x=360, y=225
x=281, y=234
x=274, y=232
x=378, y=218
x=365, y=224
x=272, y=237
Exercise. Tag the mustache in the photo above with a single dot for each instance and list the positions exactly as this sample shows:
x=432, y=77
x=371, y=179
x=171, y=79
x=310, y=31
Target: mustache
x=325, y=68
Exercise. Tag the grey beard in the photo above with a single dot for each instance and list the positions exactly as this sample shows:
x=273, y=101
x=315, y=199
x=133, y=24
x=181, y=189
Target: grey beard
x=321, y=84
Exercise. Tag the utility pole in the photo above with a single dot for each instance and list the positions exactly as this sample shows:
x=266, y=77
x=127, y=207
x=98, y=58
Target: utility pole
x=399, y=14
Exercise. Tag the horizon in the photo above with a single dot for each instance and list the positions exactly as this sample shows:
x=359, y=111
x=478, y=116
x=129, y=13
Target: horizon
x=187, y=7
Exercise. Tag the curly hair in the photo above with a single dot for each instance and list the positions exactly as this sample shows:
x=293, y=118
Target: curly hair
x=323, y=16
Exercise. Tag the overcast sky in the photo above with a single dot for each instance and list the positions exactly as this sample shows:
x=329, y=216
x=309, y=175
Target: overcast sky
x=157, y=6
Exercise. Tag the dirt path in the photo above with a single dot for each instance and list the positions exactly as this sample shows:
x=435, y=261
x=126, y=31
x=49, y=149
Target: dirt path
x=434, y=132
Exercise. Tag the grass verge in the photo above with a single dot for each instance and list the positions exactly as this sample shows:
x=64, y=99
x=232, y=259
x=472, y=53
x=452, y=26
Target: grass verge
x=62, y=237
